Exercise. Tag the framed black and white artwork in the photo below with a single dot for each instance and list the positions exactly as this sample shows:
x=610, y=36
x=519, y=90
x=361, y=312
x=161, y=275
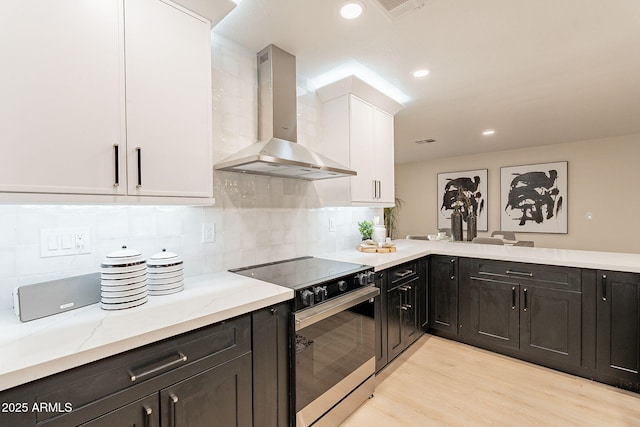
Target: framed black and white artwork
x=534, y=198
x=473, y=184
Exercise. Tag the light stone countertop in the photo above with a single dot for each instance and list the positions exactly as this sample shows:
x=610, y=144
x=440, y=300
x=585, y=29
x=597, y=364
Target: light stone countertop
x=408, y=250
x=42, y=347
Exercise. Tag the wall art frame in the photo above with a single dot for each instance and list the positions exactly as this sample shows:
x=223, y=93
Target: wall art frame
x=473, y=184
x=534, y=198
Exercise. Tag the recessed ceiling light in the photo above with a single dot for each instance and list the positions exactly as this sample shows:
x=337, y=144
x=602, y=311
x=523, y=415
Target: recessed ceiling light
x=488, y=132
x=351, y=10
x=421, y=73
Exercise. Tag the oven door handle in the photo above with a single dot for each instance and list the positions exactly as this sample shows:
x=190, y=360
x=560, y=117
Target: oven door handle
x=320, y=312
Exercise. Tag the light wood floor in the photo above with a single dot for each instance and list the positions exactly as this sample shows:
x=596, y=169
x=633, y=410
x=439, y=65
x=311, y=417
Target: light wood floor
x=438, y=382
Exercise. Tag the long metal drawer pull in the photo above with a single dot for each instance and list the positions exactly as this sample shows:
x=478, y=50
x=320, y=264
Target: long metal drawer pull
x=513, y=298
x=526, y=299
x=604, y=287
x=322, y=311
x=139, y=151
x=403, y=273
x=520, y=273
x=116, y=149
x=181, y=359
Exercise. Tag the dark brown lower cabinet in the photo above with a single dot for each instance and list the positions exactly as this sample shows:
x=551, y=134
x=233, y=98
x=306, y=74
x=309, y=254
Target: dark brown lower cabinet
x=530, y=311
x=203, y=378
x=618, y=328
x=443, y=294
x=220, y=396
x=401, y=310
x=271, y=349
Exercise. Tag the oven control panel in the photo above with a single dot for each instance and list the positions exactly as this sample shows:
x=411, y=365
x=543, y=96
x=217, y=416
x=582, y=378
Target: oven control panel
x=323, y=292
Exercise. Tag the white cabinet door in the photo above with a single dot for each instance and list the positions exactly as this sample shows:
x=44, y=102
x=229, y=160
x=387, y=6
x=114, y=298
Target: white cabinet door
x=361, y=150
x=371, y=151
x=61, y=96
x=383, y=148
x=168, y=60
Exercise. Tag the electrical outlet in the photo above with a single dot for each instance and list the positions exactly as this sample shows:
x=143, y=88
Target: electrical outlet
x=208, y=233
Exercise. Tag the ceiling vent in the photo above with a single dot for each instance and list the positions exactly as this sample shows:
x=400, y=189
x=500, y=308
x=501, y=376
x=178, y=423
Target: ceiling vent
x=395, y=8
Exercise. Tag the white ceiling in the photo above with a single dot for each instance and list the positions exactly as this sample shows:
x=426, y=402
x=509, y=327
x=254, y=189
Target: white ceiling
x=537, y=71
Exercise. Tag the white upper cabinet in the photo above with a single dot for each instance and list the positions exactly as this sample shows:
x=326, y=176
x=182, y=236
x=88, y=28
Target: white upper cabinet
x=168, y=90
x=96, y=88
x=62, y=106
x=360, y=134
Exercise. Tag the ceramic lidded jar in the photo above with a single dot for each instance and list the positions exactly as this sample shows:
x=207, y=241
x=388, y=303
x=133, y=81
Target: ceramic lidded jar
x=123, y=276
x=165, y=273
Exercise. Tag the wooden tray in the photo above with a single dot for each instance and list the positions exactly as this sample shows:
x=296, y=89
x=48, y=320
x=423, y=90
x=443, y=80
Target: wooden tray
x=375, y=249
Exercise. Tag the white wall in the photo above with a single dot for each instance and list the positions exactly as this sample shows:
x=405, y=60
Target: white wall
x=257, y=219
x=603, y=179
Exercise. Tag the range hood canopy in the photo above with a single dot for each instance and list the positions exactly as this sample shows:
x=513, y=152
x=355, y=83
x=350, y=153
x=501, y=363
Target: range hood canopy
x=277, y=153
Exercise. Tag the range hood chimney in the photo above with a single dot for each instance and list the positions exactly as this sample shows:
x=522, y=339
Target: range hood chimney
x=277, y=152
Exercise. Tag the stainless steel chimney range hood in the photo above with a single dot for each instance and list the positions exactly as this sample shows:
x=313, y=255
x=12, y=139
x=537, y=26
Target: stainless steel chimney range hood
x=277, y=153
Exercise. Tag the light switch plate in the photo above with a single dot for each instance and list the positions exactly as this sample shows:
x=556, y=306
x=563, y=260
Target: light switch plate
x=65, y=241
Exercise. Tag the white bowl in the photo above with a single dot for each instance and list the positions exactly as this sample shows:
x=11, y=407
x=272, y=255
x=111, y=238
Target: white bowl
x=124, y=299
x=163, y=276
x=166, y=286
x=166, y=291
x=163, y=280
x=123, y=305
x=165, y=269
x=120, y=292
x=122, y=281
x=114, y=269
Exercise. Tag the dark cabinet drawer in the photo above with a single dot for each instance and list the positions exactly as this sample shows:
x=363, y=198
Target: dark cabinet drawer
x=556, y=277
x=402, y=273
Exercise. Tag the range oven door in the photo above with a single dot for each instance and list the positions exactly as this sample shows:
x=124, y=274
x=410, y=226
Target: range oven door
x=334, y=354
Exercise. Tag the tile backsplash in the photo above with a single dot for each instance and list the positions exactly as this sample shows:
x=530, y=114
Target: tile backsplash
x=257, y=219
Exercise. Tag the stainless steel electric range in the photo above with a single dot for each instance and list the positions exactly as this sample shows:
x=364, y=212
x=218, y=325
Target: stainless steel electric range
x=334, y=323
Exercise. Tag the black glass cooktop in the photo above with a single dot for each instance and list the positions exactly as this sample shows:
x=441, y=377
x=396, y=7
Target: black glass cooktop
x=299, y=273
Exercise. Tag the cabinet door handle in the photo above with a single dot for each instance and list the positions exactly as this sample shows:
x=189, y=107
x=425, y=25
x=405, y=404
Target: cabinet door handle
x=526, y=299
x=152, y=370
x=174, y=409
x=379, y=189
x=519, y=273
x=453, y=268
x=405, y=307
x=373, y=188
x=403, y=273
x=604, y=287
x=147, y=419
x=116, y=152
x=139, y=151
x=405, y=288
x=513, y=298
